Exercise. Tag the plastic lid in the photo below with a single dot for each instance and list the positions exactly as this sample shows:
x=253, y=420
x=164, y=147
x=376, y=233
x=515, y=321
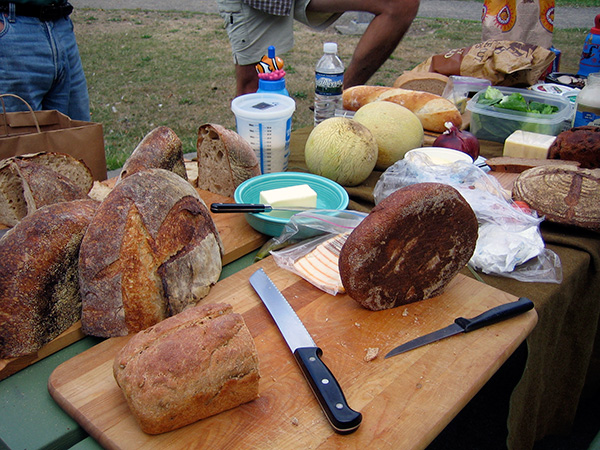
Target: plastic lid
x=263, y=106
x=330, y=47
x=271, y=85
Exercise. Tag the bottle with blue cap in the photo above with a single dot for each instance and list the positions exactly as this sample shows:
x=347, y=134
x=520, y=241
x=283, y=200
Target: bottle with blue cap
x=590, y=55
x=271, y=76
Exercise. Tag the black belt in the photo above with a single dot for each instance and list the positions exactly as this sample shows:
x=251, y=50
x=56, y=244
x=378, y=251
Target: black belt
x=42, y=12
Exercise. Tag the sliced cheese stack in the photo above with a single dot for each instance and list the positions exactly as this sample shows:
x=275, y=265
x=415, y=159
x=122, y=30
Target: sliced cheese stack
x=320, y=266
x=301, y=195
x=525, y=144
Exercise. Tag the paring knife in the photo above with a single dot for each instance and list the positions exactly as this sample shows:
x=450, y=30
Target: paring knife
x=462, y=325
x=322, y=382
x=253, y=208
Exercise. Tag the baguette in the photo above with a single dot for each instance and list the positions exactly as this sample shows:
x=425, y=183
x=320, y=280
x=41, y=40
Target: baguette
x=432, y=110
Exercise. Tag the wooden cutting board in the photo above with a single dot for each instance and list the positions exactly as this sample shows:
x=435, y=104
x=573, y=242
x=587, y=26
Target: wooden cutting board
x=405, y=401
x=238, y=238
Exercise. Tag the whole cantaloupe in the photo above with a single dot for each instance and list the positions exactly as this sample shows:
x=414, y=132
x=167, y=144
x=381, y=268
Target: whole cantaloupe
x=342, y=150
x=396, y=129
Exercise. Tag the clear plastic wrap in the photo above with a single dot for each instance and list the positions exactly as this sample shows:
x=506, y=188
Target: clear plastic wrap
x=509, y=244
x=310, y=243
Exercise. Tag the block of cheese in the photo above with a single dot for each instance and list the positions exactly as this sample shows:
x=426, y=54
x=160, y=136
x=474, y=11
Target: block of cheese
x=300, y=195
x=525, y=144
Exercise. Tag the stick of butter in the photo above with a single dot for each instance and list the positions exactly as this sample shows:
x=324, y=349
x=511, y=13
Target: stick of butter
x=525, y=144
x=299, y=195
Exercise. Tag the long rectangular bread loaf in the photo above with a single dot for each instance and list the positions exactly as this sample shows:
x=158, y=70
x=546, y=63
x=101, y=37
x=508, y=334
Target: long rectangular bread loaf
x=193, y=365
x=432, y=110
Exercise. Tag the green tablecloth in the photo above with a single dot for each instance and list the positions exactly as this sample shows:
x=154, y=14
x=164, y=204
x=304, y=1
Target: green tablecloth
x=561, y=357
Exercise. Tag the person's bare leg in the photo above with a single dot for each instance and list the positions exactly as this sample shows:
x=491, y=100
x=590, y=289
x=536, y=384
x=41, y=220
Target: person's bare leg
x=246, y=79
x=380, y=39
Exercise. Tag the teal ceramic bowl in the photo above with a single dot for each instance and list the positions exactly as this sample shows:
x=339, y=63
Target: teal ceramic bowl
x=330, y=195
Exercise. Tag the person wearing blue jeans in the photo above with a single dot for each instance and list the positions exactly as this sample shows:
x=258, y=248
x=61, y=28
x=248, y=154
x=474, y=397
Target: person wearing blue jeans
x=39, y=58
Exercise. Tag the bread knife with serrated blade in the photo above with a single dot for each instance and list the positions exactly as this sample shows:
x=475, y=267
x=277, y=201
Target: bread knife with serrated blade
x=462, y=325
x=327, y=390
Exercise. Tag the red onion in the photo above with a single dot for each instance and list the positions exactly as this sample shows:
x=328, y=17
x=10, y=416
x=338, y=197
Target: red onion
x=458, y=140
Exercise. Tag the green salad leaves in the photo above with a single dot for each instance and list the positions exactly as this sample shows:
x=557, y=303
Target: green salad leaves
x=515, y=101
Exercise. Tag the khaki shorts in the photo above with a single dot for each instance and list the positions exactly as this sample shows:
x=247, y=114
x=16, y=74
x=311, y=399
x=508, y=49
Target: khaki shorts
x=251, y=31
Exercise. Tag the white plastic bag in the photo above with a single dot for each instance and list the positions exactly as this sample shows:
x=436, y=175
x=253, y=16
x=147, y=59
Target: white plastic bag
x=508, y=235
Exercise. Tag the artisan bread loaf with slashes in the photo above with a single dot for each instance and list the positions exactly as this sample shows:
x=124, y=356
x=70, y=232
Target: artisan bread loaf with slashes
x=563, y=194
x=29, y=182
x=151, y=251
x=190, y=366
x=39, y=284
x=161, y=148
x=409, y=247
x=225, y=160
x=432, y=110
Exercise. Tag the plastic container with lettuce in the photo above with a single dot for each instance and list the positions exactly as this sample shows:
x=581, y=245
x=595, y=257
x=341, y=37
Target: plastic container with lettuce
x=497, y=112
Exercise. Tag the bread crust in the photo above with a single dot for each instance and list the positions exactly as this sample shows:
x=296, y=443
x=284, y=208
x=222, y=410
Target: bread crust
x=39, y=286
x=409, y=247
x=432, y=110
x=193, y=365
x=151, y=251
x=225, y=159
x=562, y=194
x=161, y=148
x=518, y=165
x=580, y=144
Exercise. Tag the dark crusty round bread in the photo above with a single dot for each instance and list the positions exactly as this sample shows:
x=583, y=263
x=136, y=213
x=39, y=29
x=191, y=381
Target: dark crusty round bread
x=161, y=148
x=188, y=367
x=39, y=286
x=409, y=247
x=578, y=144
x=151, y=250
x=562, y=194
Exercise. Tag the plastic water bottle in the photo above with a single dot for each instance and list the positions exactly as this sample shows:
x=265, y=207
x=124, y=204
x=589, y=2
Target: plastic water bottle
x=329, y=80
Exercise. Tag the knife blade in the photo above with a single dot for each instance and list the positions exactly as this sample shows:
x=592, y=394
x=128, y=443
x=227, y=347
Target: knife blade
x=325, y=387
x=462, y=325
x=253, y=208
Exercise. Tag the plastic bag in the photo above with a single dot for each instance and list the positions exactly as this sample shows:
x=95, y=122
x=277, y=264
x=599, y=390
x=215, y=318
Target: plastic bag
x=508, y=235
x=316, y=238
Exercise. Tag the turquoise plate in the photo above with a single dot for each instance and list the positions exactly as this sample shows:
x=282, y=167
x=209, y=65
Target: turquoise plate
x=330, y=195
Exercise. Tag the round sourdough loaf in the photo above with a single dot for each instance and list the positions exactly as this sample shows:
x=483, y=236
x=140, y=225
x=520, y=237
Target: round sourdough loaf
x=188, y=367
x=161, y=148
x=151, y=251
x=225, y=160
x=409, y=247
x=580, y=144
x=39, y=286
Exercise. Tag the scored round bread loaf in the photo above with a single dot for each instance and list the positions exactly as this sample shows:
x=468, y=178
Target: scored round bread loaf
x=27, y=184
x=580, y=144
x=161, y=148
x=39, y=285
x=225, y=160
x=562, y=194
x=151, y=251
x=188, y=367
x=409, y=247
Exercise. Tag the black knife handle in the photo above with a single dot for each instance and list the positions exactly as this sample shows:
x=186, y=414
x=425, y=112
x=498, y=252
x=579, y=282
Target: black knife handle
x=239, y=208
x=496, y=314
x=343, y=419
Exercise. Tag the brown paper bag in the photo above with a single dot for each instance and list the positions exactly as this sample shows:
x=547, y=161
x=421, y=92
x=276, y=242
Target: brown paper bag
x=504, y=63
x=51, y=131
x=528, y=21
